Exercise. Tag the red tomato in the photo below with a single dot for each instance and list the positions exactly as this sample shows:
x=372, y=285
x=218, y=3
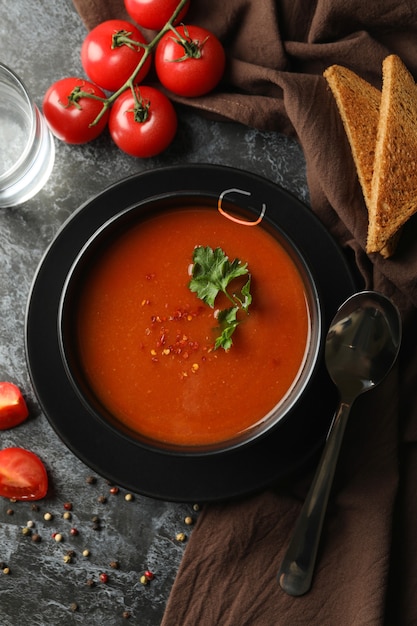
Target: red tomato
x=22, y=475
x=154, y=14
x=145, y=127
x=70, y=116
x=13, y=409
x=191, y=66
x=110, y=63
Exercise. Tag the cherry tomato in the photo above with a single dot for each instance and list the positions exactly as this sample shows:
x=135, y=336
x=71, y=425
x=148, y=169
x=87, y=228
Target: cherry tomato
x=143, y=127
x=108, y=61
x=190, y=66
x=154, y=14
x=70, y=114
x=13, y=409
x=22, y=475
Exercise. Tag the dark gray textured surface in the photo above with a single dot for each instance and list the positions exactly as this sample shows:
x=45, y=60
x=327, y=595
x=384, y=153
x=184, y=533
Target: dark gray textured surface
x=41, y=41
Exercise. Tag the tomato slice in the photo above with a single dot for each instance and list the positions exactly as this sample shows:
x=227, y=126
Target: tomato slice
x=13, y=409
x=22, y=475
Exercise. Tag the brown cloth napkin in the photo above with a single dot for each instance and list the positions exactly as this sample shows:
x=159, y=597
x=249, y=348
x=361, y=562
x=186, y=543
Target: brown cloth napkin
x=367, y=567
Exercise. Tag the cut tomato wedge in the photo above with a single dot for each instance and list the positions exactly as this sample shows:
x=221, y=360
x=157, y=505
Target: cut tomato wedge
x=13, y=409
x=22, y=475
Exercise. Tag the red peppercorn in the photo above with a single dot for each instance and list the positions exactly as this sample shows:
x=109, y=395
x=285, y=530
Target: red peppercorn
x=104, y=578
x=74, y=532
x=149, y=575
x=68, y=506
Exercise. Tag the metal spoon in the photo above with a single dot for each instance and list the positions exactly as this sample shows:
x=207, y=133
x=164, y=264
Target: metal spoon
x=361, y=346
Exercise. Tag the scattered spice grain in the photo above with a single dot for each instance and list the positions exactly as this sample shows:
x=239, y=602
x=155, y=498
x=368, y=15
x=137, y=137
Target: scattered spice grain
x=48, y=517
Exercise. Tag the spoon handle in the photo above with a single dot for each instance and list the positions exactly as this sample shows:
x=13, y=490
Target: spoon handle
x=296, y=572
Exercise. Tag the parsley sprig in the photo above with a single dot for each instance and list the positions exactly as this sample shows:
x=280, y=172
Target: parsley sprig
x=212, y=273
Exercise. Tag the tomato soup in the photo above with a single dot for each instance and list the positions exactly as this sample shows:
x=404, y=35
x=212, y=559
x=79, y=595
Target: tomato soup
x=145, y=341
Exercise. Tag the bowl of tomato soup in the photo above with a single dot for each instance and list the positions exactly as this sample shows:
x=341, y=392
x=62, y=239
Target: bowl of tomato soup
x=190, y=370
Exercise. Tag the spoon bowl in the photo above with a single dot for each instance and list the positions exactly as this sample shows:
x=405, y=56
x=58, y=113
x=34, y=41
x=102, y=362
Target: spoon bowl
x=362, y=345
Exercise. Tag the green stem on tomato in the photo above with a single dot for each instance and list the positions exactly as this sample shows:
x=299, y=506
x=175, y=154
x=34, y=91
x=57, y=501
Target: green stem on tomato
x=129, y=84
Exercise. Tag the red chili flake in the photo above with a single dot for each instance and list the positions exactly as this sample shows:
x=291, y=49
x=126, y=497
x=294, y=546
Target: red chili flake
x=104, y=578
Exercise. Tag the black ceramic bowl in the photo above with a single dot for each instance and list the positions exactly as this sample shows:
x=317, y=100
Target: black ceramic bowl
x=91, y=254
x=275, y=451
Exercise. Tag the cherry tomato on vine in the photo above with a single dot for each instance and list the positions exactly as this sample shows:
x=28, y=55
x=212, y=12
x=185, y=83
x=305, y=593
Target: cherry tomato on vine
x=13, y=408
x=110, y=54
x=145, y=125
x=22, y=475
x=191, y=65
x=154, y=14
x=70, y=114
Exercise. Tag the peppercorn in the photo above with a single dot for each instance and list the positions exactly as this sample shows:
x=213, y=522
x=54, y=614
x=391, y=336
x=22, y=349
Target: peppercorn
x=67, y=515
x=30, y=524
x=67, y=558
x=144, y=580
x=114, y=564
x=126, y=614
x=9, y=511
x=128, y=497
x=91, y=480
x=36, y=538
x=102, y=499
x=6, y=570
x=34, y=506
x=58, y=537
x=104, y=578
x=47, y=517
x=149, y=575
x=90, y=582
x=86, y=553
x=68, y=506
x=74, y=532
x=26, y=531
x=74, y=606
x=188, y=520
x=181, y=537
x=114, y=490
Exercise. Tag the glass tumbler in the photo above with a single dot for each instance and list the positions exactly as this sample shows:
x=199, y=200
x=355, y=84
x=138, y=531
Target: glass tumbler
x=27, y=149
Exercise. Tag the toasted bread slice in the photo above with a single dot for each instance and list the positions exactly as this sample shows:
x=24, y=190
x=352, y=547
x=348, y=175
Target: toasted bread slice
x=358, y=103
x=394, y=181
x=359, y=107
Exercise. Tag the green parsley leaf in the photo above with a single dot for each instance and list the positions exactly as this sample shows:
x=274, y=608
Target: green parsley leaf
x=212, y=272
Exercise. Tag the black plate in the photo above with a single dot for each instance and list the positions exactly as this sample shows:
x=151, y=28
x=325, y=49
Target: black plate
x=125, y=462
